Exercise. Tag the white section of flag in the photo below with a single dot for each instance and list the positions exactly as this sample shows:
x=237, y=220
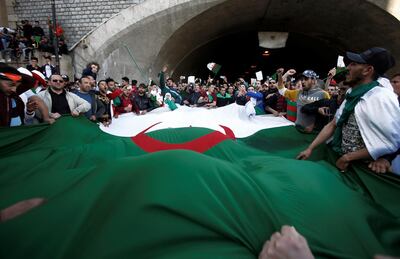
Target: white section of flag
x=233, y=116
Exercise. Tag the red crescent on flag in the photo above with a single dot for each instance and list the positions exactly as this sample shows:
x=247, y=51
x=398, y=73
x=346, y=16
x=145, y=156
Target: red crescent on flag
x=200, y=144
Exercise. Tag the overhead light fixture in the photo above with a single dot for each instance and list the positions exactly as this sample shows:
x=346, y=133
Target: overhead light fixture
x=272, y=40
x=253, y=66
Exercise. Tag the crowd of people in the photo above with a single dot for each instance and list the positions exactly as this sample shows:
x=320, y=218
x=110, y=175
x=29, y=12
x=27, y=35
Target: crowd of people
x=21, y=44
x=358, y=113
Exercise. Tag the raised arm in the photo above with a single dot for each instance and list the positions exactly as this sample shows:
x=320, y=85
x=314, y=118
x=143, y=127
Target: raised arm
x=290, y=94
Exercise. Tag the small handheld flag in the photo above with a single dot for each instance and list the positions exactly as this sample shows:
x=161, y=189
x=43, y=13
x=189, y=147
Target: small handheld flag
x=214, y=67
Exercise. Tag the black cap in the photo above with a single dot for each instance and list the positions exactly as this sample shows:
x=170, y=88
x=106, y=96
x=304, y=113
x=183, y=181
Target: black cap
x=65, y=78
x=9, y=73
x=380, y=58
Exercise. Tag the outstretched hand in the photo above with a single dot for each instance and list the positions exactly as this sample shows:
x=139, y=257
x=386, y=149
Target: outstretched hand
x=304, y=155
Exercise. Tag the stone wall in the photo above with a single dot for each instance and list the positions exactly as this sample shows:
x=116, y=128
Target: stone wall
x=77, y=17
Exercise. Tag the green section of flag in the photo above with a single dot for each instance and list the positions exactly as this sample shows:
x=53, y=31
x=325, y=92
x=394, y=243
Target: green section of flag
x=106, y=198
x=214, y=67
x=274, y=76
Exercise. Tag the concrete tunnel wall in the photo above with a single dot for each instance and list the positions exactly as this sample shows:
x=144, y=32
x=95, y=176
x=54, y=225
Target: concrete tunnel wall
x=138, y=41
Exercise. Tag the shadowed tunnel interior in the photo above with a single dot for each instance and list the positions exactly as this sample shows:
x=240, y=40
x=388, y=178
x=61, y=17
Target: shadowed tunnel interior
x=319, y=31
x=187, y=35
x=240, y=56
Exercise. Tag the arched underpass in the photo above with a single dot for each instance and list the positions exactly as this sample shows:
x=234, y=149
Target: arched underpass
x=187, y=35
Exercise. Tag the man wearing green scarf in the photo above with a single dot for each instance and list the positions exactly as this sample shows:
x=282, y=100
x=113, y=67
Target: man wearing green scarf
x=366, y=126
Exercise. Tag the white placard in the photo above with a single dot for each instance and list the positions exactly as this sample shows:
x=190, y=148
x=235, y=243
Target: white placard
x=259, y=75
x=340, y=61
x=191, y=79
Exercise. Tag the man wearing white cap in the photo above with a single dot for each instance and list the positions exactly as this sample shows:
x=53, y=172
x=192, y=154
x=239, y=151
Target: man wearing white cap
x=309, y=94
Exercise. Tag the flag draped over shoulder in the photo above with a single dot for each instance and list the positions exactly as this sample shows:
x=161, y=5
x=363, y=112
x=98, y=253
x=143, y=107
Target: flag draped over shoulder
x=108, y=198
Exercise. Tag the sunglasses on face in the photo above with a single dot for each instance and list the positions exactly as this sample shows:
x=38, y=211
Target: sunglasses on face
x=57, y=81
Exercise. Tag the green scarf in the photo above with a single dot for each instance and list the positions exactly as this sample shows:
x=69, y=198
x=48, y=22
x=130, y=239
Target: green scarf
x=351, y=101
x=210, y=97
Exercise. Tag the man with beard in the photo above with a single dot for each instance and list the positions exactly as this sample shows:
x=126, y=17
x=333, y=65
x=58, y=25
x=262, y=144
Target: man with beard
x=12, y=109
x=309, y=94
x=125, y=103
x=101, y=96
x=366, y=126
x=325, y=109
x=85, y=92
x=271, y=100
x=61, y=102
x=142, y=102
x=193, y=98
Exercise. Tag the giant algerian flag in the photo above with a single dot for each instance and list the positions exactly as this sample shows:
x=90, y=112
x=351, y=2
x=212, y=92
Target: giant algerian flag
x=186, y=192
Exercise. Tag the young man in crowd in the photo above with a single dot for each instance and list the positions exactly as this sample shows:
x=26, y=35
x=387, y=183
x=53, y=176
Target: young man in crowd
x=48, y=69
x=111, y=84
x=91, y=70
x=210, y=97
x=272, y=100
x=12, y=109
x=142, y=101
x=124, y=82
x=33, y=64
x=167, y=87
x=126, y=103
x=325, y=109
x=366, y=126
x=309, y=94
x=97, y=108
x=38, y=33
x=30, y=96
x=193, y=98
x=257, y=99
x=396, y=84
x=240, y=95
x=223, y=98
x=105, y=118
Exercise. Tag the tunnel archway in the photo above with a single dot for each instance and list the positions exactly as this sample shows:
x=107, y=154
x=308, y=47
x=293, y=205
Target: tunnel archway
x=188, y=34
x=241, y=56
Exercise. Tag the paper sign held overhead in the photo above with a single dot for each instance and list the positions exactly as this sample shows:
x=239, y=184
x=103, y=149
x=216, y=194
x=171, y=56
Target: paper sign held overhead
x=340, y=62
x=259, y=75
x=191, y=79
